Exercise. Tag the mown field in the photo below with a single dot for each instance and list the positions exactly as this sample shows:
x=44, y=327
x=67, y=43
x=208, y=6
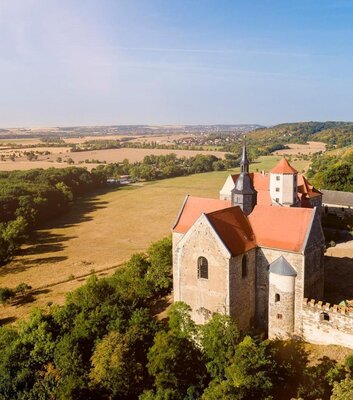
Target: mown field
x=101, y=231
x=309, y=148
x=80, y=158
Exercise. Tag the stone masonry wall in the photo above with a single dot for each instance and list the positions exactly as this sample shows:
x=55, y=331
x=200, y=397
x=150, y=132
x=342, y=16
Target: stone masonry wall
x=264, y=257
x=242, y=291
x=204, y=296
x=323, y=323
x=314, y=262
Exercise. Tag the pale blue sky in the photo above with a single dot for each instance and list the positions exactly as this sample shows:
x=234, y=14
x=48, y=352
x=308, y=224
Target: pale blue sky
x=75, y=62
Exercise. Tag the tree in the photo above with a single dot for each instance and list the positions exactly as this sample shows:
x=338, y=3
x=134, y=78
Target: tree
x=159, y=273
x=219, y=338
x=175, y=360
x=343, y=390
x=249, y=376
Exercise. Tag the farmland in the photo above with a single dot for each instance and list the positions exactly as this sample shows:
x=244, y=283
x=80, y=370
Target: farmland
x=101, y=231
x=308, y=148
x=80, y=158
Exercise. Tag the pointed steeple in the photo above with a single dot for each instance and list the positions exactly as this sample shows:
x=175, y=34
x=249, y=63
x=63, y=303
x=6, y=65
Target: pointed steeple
x=243, y=194
x=244, y=162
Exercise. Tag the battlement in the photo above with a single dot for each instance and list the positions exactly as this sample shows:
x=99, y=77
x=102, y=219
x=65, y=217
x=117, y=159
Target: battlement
x=327, y=307
x=325, y=323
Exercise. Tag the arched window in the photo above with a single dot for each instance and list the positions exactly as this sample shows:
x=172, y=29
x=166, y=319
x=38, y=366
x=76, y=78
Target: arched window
x=277, y=298
x=202, y=268
x=244, y=266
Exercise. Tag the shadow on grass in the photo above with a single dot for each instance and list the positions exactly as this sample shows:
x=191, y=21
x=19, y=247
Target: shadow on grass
x=338, y=279
x=7, y=320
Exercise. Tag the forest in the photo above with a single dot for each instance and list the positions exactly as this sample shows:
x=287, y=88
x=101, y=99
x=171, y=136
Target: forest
x=332, y=171
x=109, y=341
x=334, y=133
x=168, y=166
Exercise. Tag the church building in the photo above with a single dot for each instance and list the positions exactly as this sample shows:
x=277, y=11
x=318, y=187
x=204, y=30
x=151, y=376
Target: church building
x=255, y=253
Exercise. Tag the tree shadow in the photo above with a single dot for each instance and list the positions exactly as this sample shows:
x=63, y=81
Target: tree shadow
x=338, y=279
x=44, y=242
x=7, y=320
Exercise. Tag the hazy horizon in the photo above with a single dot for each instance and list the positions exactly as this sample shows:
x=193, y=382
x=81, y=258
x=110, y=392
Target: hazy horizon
x=192, y=62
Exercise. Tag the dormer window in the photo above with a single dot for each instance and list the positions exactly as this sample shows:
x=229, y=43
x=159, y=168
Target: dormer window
x=202, y=268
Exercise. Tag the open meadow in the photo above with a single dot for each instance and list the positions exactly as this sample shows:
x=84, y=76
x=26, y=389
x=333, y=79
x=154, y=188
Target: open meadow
x=101, y=231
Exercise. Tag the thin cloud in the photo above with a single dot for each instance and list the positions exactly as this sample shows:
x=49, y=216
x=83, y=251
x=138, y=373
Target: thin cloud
x=211, y=51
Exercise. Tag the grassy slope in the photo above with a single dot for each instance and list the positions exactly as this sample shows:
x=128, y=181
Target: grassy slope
x=329, y=132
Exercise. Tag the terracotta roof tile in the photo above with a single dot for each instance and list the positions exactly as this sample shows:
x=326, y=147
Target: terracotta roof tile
x=281, y=227
x=193, y=208
x=234, y=229
x=283, y=167
x=261, y=184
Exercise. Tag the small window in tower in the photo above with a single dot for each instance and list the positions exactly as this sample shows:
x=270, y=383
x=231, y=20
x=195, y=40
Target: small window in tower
x=277, y=200
x=244, y=266
x=279, y=316
x=278, y=178
x=202, y=268
x=277, y=298
x=324, y=317
x=277, y=189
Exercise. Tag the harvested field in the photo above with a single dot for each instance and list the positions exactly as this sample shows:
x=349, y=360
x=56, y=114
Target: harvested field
x=108, y=156
x=133, y=155
x=309, y=148
x=100, y=232
x=83, y=139
x=26, y=165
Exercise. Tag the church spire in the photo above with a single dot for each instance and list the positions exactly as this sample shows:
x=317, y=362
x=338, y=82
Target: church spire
x=244, y=162
x=243, y=194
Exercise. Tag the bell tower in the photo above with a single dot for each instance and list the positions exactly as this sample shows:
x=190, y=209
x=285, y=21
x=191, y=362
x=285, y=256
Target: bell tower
x=244, y=195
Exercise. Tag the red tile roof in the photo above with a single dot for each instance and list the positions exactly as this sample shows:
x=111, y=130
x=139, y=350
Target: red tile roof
x=281, y=227
x=234, y=229
x=283, y=167
x=193, y=207
x=276, y=227
x=261, y=184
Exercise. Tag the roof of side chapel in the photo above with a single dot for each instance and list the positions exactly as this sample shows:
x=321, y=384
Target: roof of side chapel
x=285, y=228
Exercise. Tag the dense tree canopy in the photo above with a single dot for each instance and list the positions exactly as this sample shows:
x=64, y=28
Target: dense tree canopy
x=106, y=343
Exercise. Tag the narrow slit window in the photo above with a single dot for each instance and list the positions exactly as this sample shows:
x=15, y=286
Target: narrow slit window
x=277, y=298
x=279, y=316
x=202, y=268
x=244, y=266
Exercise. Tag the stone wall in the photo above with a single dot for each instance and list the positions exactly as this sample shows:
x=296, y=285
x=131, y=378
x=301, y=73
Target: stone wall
x=204, y=296
x=323, y=323
x=242, y=290
x=281, y=306
x=314, y=261
x=264, y=257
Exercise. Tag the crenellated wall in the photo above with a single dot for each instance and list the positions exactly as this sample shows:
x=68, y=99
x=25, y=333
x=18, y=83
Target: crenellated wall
x=323, y=323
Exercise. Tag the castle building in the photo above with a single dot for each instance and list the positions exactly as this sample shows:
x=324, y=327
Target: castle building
x=256, y=254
